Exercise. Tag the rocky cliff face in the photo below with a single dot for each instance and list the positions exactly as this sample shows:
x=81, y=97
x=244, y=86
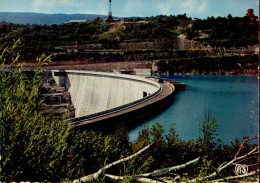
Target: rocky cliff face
x=183, y=43
x=188, y=53
x=152, y=50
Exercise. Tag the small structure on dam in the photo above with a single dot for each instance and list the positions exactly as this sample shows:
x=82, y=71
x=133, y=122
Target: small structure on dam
x=99, y=97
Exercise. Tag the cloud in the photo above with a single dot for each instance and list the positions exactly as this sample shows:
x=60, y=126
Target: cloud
x=165, y=8
x=50, y=4
x=203, y=6
x=194, y=6
x=63, y=6
x=47, y=6
x=184, y=6
x=95, y=8
x=131, y=7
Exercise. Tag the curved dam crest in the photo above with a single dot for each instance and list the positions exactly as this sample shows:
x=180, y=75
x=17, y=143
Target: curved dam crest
x=96, y=92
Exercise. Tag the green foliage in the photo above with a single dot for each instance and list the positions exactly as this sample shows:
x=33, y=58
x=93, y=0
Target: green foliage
x=108, y=37
x=228, y=32
x=32, y=146
x=185, y=177
x=159, y=28
x=39, y=39
x=162, y=65
x=140, y=164
x=88, y=151
x=38, y=148
x=209, y=130
x=205, y=169
x=191, y=61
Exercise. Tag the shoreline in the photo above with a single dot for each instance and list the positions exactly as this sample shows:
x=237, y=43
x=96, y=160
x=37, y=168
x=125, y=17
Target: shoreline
x=189, y=74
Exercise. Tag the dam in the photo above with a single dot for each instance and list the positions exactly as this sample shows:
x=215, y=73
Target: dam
x=99, y=97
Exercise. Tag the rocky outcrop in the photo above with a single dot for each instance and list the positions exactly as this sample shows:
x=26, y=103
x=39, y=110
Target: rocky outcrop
x=147, y=50
x=155, y=44
x=57, y=101
x=182, y=43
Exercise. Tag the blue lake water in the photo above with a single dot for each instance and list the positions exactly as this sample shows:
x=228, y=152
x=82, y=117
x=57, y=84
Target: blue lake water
x=233, y=100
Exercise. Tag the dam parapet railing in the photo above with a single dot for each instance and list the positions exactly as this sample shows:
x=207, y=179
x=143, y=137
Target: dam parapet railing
x=60, y=78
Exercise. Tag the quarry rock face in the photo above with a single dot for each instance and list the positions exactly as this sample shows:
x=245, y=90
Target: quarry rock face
x=154, y=49
x=182, y=43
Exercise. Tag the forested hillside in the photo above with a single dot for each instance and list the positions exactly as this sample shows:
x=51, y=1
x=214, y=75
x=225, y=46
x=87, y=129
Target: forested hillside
x=221, y=32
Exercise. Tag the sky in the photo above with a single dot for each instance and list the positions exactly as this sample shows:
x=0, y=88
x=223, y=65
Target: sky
x=129, y=8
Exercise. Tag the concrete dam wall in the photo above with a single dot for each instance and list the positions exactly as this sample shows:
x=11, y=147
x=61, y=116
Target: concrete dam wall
x=95, y=92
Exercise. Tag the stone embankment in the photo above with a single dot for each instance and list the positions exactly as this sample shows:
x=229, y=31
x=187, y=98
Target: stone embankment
x=57, y=100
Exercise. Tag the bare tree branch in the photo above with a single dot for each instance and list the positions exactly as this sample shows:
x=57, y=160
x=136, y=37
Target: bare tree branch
x=225, y=166
x=170, y=169
x=146, y=180
x=238, y=158
x=96, y=175
x=143, y=177
x=238, y=176
x=216, y=170
x=241, y=146
x=115, y=177
x=136, y=178
x=222, y=165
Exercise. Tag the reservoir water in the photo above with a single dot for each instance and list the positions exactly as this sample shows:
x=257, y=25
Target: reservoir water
x=233, y=100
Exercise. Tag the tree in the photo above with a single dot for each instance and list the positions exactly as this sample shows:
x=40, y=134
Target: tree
x=209, y=130
x=162, y=65
x=229, y=16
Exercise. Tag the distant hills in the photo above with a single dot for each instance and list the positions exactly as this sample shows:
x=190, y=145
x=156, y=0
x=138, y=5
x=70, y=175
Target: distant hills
x=41, y=18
